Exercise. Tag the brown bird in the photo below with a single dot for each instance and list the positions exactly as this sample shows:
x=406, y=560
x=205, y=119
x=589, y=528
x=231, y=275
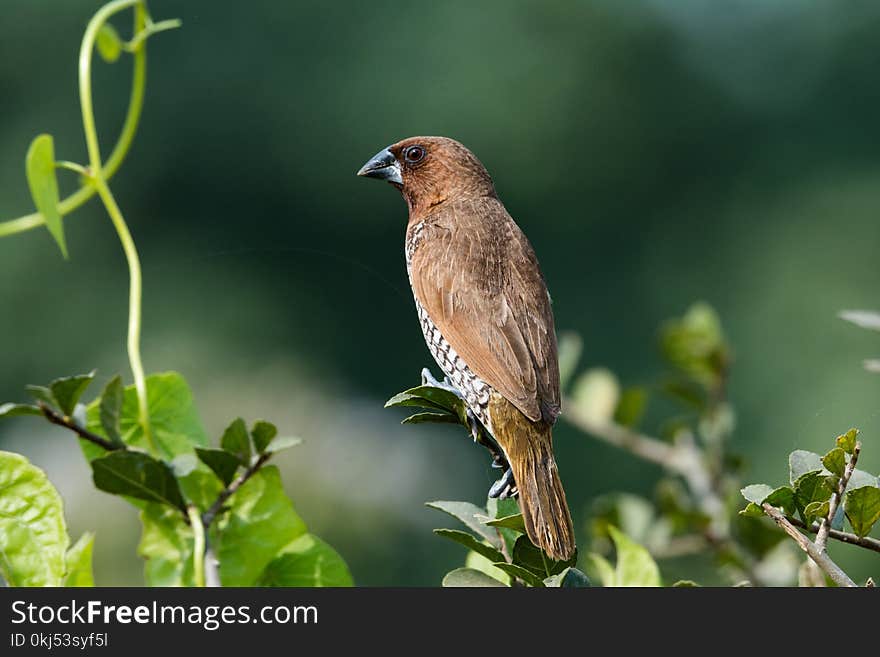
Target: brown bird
x=486, y=317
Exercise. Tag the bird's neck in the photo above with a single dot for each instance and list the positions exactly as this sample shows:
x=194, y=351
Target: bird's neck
x=423, y=205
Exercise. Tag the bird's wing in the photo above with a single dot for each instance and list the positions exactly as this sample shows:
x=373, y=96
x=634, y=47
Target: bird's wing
x=477, y=277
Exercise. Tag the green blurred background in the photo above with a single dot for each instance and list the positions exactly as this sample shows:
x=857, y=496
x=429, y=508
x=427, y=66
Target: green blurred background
x=655, y=153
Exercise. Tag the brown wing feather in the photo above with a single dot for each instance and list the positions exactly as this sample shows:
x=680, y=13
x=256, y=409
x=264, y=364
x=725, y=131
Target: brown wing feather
x=476, y=275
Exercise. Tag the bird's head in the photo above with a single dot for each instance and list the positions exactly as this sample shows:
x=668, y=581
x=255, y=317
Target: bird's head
x=430, y=171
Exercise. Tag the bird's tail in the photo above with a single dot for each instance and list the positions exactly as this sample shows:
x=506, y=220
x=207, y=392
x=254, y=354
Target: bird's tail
x=529, y=449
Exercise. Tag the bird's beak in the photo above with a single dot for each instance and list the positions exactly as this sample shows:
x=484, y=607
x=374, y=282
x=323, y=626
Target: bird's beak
x=382, y=165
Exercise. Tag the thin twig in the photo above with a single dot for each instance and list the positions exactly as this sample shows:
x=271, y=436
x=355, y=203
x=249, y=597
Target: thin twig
x=649, y=449
x=820, y=557
x=683, y=458
x=212, y=566
x=68, y=423
x=844, y=537
x=836, y=496
x=209, y=515
x=681, y=546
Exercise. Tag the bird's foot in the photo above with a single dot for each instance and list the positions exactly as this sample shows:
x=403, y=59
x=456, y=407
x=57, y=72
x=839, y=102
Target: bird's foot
x=504, y=487
x=429, y=380
x=475, y=427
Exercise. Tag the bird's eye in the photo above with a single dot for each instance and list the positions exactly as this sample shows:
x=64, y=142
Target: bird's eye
x=414, y=154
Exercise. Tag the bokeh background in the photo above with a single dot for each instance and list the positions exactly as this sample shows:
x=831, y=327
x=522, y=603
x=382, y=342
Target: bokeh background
x=656, y=153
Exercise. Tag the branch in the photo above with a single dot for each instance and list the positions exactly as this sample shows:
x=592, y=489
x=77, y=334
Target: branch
x=62, y=421
x=209, y=515
x=834, y=502
x=820, y=557
x=844, y=537
x=212, y=566
x=683, y=458
x=198, y=545
x=649, y=449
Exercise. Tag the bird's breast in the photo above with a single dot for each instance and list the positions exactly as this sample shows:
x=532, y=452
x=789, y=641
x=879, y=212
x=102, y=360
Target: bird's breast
x=475, y=391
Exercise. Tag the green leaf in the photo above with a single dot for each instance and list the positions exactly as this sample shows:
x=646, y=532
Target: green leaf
x=600, y=569
x=695, y=344
x=631, y=407
x=33, y=536
x=40, y=169
x=167, y=545
x=222, y=463
x=816, y=511
x=835, y=461
x=405, y=399
x=635, y=566
x=801, y=462
x=198, y=483
x=42, y=394
x=262, y=433
x=306, y=561
x=279, y=443
x=235, y=440
x=174, y=422
x=685, y=392
x=440, y=418
x=14, y=410
x=69, y=389
x=569, y=350
x=519, y=572
x=439, y=398
x=467, y=513
x=866, y=319
x=752, y=510
x=532, y=558
x=847, y=441
x=754, y=534
x=810, y=487
x=596, y=394
x=570, y=578
x=472, y=543
x=514, y=522
x=468, y=578
x=633, y=515
x=756, y=493
x=783, y=497
x=501, y=508
x=79, y=562
x=137, y=475
x=261, y=521
x=496, y=509
x=110, y=409
x=481, y=563
x=108, y=42
x=685, y=584
x=862, y=507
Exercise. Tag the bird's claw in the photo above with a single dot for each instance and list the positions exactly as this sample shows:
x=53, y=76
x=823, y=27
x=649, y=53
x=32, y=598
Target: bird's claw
x=429, y=380
x=474, y=425
x=504, y=487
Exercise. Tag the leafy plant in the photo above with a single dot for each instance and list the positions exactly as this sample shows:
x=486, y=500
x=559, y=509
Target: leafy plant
x=499, y=552
x=694, y=509
x=215, y=515
x=824, y=494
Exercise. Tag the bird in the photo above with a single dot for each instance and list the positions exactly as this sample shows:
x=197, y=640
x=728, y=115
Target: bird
x=486, y=316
